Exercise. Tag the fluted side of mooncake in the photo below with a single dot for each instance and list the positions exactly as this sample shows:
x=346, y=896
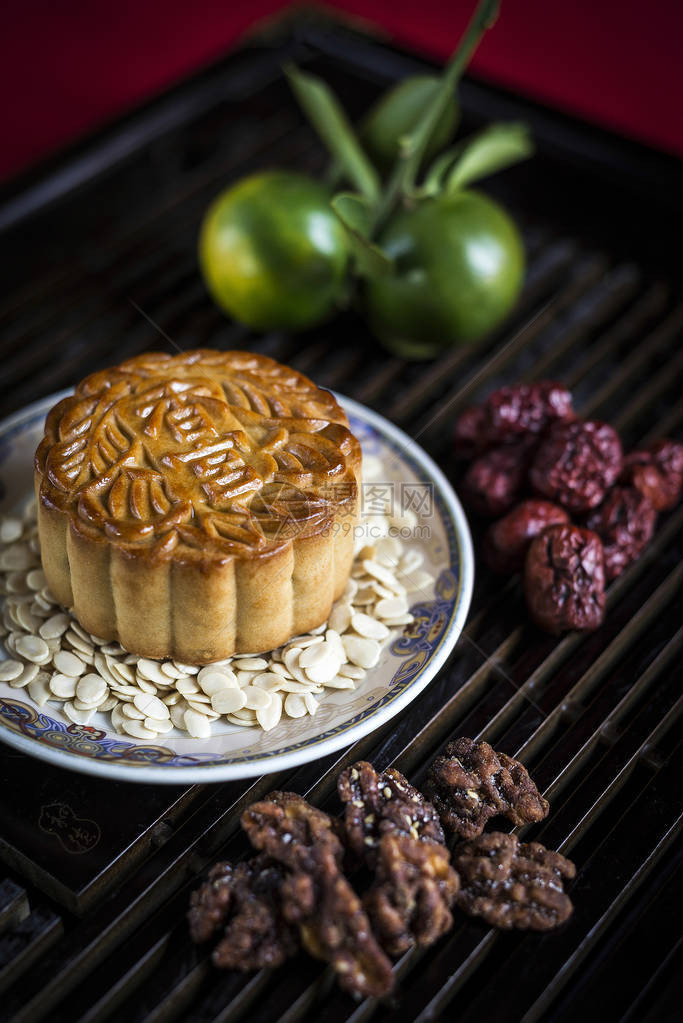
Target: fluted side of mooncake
x=199, y=505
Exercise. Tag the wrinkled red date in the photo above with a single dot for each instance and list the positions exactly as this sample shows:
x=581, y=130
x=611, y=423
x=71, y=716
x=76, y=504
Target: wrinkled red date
x=625, y=522
x=510, y=414
x=494, y=481
x=576, y=464
x=564, y=579
x=469, y=437
x=507, y=541
x=516, y=411
x=657, y=472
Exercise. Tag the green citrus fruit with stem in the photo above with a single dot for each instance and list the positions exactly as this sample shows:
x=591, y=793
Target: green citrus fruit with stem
x=459, y=269
x=272, y=252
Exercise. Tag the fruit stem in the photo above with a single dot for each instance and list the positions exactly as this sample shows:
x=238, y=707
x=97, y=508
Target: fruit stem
x=405, y=171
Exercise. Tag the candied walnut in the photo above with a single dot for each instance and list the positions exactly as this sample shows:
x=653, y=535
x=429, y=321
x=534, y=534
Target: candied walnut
x=210, y=904
x=246, y=900
x=469, y=434
x=625, y=522
x=288, y=829
x=392, y=828
x=335, y=927
x=564, y=579
x=409, y=903
x=576, y=464
x=507, y=541
x=471, y=783
x=513, y=884
x=657, y=472
x=494, y=482
x=316, y=897
x=257, y=934
x=522, y=409
x=375, y=804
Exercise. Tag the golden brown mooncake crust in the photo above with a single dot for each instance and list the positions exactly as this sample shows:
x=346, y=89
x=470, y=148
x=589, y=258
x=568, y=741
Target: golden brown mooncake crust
x=197, y=505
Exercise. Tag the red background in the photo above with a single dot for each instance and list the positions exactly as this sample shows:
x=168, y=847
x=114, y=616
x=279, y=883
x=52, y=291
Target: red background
x=69, y=66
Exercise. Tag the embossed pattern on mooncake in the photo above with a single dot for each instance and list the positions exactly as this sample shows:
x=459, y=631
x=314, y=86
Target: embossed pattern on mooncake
x=219, y=451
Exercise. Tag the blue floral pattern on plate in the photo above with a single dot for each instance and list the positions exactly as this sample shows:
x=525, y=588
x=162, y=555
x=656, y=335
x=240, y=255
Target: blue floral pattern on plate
x=410, y=661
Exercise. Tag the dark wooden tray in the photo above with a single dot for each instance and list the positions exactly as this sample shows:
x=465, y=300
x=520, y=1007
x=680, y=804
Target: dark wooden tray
x=111, y=226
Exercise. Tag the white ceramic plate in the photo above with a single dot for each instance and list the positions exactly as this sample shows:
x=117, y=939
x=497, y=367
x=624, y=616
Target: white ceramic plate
x=407, y=664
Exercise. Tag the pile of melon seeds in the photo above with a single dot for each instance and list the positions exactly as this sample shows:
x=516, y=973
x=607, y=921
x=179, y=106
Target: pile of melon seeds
x=58, y=662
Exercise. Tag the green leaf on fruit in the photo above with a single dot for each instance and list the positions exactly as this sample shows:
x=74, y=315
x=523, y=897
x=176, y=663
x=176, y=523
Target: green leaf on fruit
x=327, y=116
x=497, y=146
x=435, y=176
